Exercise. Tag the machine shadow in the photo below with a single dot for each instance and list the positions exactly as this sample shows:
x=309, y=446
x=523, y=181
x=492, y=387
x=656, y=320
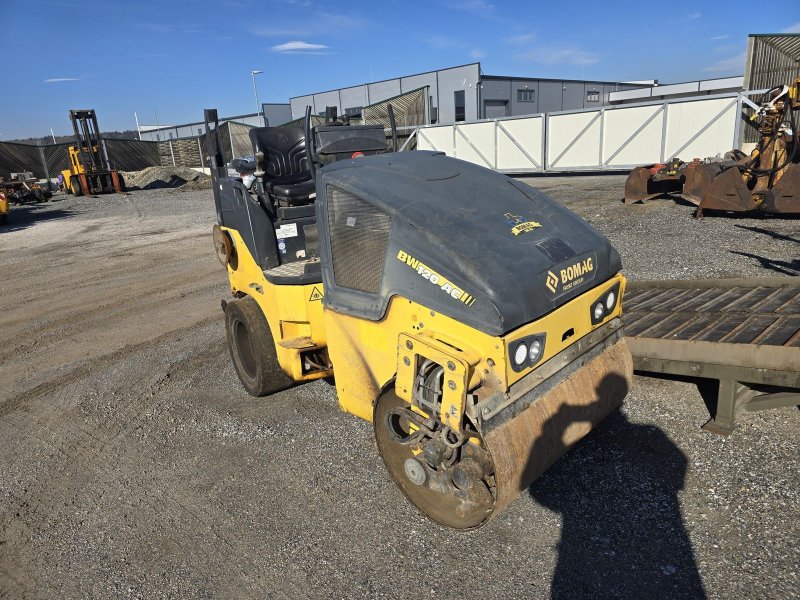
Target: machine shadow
x=770, y=233
x=622, y=532
x=779, y=266
x=24, y=216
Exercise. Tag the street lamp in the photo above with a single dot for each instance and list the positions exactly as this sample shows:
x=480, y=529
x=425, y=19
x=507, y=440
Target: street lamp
x=255, y=90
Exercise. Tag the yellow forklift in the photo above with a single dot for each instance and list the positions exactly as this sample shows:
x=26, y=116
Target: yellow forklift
x=90, y=172
x=473, y=320
x=4, y=210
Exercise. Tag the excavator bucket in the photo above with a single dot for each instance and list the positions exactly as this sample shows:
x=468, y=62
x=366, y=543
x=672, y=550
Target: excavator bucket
x=698, y=181
x=644, y=183
x=728, y=191
x=786, y=193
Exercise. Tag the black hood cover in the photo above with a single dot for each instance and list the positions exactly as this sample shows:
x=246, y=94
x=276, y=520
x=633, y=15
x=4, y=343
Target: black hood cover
x=463, y=240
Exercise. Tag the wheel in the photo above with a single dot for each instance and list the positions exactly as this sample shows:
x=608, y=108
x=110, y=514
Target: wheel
x=3, y=219
x=121, y=182
x=457, y=491
x=253, y=348
x=75, y=184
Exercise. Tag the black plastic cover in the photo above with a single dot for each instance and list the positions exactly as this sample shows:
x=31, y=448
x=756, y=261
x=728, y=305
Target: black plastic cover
x=468, y=242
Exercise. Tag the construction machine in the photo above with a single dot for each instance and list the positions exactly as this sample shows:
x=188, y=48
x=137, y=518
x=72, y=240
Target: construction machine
x=4, y=210
x=471, y=319
x=767, y=180
x=23, y=188
x=90, y=172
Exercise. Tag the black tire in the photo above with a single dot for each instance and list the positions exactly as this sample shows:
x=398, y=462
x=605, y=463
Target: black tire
x=252, y=349
x=3, y=219
x=121, y=183
x=75, y=184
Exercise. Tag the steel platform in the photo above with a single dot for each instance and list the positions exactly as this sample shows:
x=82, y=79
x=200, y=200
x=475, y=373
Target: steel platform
x=745, y=333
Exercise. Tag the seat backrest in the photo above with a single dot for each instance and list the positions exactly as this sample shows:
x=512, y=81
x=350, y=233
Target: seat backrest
x=368, y=139
x=284, y=149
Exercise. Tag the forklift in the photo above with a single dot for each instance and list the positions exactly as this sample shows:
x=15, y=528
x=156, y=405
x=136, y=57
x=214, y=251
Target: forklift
x=471, y=319
x=90, y=171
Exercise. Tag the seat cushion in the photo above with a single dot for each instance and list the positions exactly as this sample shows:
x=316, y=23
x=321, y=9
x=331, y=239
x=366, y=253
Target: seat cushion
x=295, y=190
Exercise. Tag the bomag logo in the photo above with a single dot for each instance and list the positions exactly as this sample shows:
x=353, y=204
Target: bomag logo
x=571, y=276
x=520, y=225
x=435, y=278
x=552, y=281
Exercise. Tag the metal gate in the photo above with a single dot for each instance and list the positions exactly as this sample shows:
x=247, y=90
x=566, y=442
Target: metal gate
x=612, y=138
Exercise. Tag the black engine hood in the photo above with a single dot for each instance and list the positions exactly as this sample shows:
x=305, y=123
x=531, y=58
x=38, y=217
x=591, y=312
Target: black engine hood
x=466, y=241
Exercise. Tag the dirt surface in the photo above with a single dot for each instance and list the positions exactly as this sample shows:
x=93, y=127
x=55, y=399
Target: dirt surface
x=135, y=466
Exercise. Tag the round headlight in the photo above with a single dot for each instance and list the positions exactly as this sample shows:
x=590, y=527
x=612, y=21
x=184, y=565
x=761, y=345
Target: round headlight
x=598, y=311
x=611, y=299
x=520, y=354
x=536, y=349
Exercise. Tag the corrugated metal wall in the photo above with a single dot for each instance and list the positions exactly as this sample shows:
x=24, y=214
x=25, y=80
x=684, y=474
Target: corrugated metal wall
x=771, y=60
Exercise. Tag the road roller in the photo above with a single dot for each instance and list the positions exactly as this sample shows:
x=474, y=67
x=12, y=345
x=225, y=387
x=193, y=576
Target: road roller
x=471, y=319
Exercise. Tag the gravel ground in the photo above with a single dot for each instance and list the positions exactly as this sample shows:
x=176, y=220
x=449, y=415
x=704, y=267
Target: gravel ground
x=135, y=466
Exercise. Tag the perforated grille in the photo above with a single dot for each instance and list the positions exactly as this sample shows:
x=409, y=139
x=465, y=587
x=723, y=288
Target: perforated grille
x=359, y=234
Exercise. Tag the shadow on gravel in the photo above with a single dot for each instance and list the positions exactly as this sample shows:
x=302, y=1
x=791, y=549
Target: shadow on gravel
x=779, y=266
x=22, y=217
x=770, y=233
x=622, y=535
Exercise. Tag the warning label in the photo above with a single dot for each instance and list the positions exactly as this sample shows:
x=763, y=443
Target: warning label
x=316, y=294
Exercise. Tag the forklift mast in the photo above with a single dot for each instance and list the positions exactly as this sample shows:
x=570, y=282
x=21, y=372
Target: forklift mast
x=87, y=137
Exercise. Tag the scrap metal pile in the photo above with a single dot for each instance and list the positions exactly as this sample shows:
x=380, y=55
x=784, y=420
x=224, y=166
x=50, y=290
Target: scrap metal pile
x=767, y=180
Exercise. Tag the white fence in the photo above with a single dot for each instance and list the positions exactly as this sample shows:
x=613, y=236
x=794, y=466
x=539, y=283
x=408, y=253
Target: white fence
x=607, y=138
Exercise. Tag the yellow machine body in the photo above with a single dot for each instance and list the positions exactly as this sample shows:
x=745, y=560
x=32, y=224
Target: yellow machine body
x=294, y=312
x=374, y=351
x=75, y=168
x=371, y=359
x=4, y=210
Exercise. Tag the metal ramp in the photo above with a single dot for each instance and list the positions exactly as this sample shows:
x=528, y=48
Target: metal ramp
x=745, y=333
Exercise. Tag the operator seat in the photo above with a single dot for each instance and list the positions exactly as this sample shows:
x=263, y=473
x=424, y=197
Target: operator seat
x=287, y=174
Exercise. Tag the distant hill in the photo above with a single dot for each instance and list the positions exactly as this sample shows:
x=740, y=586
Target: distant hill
x=65, y=139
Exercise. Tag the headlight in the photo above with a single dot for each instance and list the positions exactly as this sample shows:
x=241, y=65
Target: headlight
x=598, y=311
x=536, y=349
x=520, y=354
x=611, y=299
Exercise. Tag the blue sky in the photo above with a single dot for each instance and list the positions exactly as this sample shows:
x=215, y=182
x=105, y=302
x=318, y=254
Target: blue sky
x=180, y=56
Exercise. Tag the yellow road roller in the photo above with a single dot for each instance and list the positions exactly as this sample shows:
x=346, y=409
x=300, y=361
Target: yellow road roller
x=471, y=319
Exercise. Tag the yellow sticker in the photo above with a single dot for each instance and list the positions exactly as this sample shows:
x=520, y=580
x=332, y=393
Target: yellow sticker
x=316, y=294
x=520, y=225
x=525, y=227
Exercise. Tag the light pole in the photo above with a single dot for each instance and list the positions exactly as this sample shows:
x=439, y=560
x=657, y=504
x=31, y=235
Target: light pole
x=255, y=91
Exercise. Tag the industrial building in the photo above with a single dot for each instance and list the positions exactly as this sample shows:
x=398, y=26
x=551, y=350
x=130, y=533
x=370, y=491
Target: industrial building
x=464, y=93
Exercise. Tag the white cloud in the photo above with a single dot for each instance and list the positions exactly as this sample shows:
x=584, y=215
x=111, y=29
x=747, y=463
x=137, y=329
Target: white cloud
x=560, y=56
x=298, y=47
x=60, y=79
x=525, y=38
x=792, y=28
x=694, y=15
x=734, y=64
x=477, y=53
x=716, y=38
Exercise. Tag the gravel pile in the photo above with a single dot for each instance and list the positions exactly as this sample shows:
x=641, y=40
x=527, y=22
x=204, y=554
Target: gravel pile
x=153, y=178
